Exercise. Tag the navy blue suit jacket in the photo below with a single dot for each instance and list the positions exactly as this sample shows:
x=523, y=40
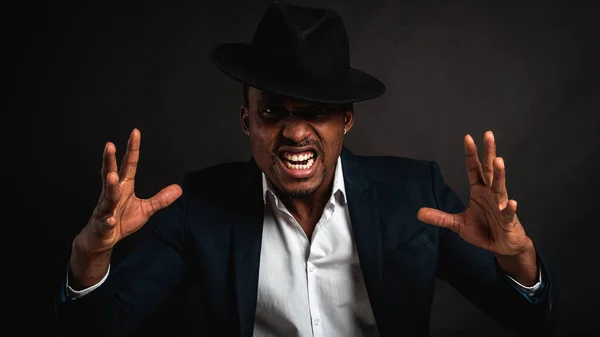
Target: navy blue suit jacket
x=211, y=237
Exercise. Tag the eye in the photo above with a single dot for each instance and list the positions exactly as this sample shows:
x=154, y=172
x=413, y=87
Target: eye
x=268, y=112
x=316, y=112
x=272, y=112
x=320, y=111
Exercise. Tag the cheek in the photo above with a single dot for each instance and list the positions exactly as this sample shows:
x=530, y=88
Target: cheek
x=332, y=140
x=333, y=147
x=338, y=142
x=262, y=144
x=258, y=145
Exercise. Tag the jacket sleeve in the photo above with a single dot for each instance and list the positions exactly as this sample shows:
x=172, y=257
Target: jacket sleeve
x=135, y=287
x=475, y=273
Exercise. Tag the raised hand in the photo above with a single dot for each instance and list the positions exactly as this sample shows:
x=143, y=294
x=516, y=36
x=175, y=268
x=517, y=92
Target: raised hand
x=490, y=220
x=118, y=213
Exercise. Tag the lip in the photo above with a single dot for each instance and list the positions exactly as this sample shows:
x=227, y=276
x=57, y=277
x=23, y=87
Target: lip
x=300, y=174
x=296, y=149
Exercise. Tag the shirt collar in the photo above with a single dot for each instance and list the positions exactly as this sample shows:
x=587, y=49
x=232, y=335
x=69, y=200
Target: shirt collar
x=338, y=183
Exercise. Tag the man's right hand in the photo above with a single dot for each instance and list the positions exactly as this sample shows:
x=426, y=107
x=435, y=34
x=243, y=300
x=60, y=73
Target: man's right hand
x=118, y=214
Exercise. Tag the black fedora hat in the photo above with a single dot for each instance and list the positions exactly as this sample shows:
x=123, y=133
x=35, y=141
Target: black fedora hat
x=300, y=52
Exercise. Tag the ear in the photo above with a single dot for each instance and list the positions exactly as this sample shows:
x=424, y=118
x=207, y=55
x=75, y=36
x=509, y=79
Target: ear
x=348, y=120
x=244, y=119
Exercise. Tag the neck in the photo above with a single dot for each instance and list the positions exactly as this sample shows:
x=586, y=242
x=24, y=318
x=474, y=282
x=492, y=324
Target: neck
x=307, y=211
x=312, y=205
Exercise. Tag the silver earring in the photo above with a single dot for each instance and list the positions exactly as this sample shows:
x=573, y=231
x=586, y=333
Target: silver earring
x=344, y=130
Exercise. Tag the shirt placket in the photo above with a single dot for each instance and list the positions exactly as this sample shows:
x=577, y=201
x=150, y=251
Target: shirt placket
x=312, y=277
x=311, y=270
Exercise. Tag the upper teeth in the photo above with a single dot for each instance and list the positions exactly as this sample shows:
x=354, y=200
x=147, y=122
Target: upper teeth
x=298, y=157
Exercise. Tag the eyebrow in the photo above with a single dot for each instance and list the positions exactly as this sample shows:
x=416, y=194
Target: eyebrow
x=280, y=98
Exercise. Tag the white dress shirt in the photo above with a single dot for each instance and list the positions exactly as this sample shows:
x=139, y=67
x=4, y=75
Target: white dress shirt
x=309, y=287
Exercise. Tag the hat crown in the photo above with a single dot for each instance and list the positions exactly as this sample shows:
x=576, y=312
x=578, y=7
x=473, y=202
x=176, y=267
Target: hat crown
x=311, y=42
x=300, y=52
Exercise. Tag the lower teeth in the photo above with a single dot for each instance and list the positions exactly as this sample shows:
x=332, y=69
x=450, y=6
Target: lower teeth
x=308, y=165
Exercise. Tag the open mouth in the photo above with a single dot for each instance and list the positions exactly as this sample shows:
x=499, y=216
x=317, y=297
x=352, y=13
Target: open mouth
x=298, y=161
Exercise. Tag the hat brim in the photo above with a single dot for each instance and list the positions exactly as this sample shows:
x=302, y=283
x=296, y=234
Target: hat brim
x=246, y=63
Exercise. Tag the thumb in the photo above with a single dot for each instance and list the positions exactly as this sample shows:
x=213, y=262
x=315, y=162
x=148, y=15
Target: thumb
x=163, y=198
x=508, y=213
x=439, y=218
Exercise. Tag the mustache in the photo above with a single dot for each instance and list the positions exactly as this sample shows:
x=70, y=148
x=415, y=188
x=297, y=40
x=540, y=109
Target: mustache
x=304, y=142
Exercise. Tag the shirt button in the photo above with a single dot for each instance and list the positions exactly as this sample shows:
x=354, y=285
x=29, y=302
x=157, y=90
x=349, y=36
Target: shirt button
x=316, y=321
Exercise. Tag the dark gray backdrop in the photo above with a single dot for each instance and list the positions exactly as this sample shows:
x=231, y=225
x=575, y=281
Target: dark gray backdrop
x=525, y=69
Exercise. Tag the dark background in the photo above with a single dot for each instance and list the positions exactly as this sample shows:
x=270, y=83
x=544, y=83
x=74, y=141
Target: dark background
x=525, y=69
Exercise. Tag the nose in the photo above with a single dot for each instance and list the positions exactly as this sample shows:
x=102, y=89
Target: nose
x=296, y=129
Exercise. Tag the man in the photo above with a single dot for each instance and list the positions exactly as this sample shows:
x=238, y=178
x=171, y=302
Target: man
x=306, y=239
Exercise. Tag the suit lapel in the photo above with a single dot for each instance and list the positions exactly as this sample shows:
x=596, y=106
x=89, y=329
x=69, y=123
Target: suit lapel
x=247, y=237
x=246, y=245
x=364, y=216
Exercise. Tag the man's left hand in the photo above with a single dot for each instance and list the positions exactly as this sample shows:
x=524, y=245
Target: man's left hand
x=489, y=220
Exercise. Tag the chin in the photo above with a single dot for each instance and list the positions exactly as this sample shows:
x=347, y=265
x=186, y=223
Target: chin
x=300, y=193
